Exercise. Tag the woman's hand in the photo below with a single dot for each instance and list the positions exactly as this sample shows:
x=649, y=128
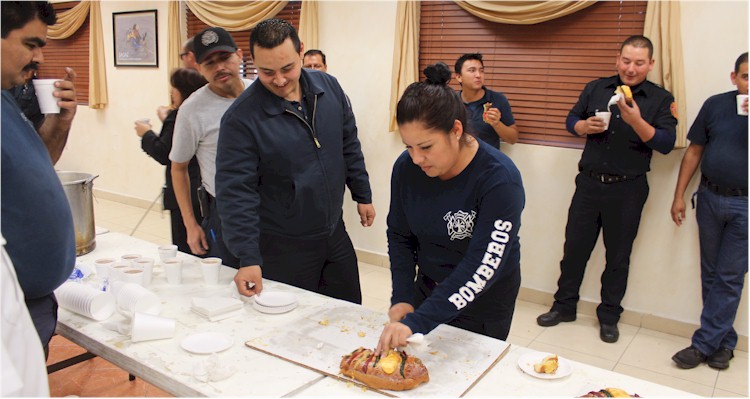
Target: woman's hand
x=398, y=311
x=141, y=128
x=393, y=336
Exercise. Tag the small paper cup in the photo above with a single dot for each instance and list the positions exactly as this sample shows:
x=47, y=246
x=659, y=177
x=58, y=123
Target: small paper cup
x=130, y=257
x=47, y=101
x=210, y=268
x=148, y=327
x=173, y=270
x=606, y=116
x=741, y=98
x=167, y=252
x=133, y=275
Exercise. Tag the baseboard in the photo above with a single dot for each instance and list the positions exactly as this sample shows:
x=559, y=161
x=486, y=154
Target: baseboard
x=645, y=320
x=124, y=199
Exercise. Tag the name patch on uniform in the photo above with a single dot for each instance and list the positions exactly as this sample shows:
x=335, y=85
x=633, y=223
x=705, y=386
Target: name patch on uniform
x=493, y=256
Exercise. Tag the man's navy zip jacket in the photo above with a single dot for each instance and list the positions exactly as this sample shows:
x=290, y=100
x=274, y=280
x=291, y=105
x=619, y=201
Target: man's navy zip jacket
x=284, y=175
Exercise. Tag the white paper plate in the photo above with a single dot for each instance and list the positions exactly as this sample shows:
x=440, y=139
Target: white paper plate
x=207, y=342
x=274, y=309
x=275, y=299
x=526, y=363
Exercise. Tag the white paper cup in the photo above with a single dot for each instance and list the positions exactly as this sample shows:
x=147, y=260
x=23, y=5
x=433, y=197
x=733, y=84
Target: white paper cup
x=130, y=257
x=103, y=267
x=741, y=98
x=133, y=298
x=147, y=265
x=147, y=327
x=173, y=270
x=143, y=120
x=44, y=89
x=133, y=275
x=606, y=116
x=210, y=268
x=85, y=300
x=115, y=271
x=167, y=252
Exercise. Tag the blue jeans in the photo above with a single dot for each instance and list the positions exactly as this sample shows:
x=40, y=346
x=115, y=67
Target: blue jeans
x=722, y=224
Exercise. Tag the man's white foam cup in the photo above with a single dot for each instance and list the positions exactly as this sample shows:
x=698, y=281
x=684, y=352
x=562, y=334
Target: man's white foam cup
x=210, y=268
x=173, y=270
x=167, y=252
x=741, y=98
x=147, y=327
x=606, y=116
x=147, y=265
x=44, y=89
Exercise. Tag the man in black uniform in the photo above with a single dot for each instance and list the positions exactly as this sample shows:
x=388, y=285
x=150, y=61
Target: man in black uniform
x=611, y=187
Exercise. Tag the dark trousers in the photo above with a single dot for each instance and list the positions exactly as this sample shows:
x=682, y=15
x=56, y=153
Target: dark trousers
x=722, y=227
x=615, y=209
x=211, y=225
x=327, y=265
x=43, y=313
x=491, y=314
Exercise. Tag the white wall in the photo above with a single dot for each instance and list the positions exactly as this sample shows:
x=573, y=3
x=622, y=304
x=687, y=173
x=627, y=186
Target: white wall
x=357, y=38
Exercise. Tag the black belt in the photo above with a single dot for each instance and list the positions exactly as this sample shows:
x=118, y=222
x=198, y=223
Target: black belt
x=722, y=190
x=607, y=178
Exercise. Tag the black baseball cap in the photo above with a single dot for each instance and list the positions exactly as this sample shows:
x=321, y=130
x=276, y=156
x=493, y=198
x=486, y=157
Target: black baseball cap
x=212, y=40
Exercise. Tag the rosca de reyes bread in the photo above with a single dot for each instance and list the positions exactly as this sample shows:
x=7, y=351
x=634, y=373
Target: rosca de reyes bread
x=625, y=91
x=395, y=370
x=609, y=393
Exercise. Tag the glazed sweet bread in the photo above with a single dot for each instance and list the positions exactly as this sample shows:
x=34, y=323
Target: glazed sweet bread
x=626, y=92
x=609, y=393
x=548, y=365
x=395, y=370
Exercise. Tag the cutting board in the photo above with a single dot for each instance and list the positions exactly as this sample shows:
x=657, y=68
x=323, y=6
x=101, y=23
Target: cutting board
x=455, y=359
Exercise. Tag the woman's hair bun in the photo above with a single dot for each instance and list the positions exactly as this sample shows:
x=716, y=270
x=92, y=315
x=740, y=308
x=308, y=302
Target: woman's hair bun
x=438, y=73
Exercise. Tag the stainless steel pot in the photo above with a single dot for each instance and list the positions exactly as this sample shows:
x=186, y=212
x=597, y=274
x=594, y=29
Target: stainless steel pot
x=79, y=191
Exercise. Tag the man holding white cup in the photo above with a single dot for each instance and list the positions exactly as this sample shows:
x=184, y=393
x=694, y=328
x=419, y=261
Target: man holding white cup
x=718, y=142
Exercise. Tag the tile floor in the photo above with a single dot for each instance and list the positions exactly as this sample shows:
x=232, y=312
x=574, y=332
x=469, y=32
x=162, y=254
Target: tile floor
x=640, y=352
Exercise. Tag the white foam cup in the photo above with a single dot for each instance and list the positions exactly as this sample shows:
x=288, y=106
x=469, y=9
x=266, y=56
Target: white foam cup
x=741, y=99
x=173, y=270
x=210, y=268
x=133, y=275
x=133, y=298
x=116, y=269
x=130, y=257
x=167, y=251
x=606, y=116
x=147, y=265
x=85, y=300
x=47, y=101
x=148, y=327
x=103, y=267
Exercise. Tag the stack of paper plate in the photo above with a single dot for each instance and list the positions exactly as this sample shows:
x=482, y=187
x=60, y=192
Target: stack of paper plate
x=275, y=302
x=217, y=308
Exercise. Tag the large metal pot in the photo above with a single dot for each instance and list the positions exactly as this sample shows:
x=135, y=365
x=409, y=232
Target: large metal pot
x=79, y=190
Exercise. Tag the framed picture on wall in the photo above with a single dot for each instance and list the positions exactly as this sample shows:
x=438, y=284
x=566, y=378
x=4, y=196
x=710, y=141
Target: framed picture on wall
x=135, y=37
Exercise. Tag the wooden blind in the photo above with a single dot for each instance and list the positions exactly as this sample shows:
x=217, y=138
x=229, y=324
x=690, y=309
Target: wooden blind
x=290, y=13
x=71, y=52
x=541, y=68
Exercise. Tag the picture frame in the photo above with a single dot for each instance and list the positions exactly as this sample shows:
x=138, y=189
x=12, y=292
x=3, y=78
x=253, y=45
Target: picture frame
x=135, y=36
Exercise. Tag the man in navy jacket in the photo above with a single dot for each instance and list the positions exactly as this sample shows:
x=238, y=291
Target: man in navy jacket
x=288, y=146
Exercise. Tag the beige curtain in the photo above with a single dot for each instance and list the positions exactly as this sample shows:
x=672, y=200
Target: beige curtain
x=308, y=24
x=68, y=22
x=405, y=54
x=234, y=15
x=662, y=26
x=522, y=12
x=174, y=37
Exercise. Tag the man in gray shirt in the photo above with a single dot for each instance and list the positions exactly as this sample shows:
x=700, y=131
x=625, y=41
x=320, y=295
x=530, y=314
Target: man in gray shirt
x=197, y=133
